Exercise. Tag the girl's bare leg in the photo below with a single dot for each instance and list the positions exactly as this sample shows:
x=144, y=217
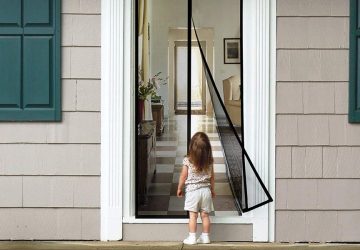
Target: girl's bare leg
x=192, y=221
x=205, y=222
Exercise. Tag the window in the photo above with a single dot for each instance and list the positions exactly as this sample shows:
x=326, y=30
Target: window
x=30, y=60
x=354, y=66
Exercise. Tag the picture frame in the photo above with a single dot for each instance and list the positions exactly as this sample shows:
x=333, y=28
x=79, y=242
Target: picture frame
x=232, y=51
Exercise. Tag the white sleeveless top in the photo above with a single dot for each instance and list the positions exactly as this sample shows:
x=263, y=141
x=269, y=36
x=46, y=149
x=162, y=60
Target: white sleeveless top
x=196, y=180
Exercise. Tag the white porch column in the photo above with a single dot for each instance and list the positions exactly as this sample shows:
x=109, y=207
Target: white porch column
x=115, y=99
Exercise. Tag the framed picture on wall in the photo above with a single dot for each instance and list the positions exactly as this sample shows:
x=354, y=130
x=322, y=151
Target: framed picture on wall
x=232, y=51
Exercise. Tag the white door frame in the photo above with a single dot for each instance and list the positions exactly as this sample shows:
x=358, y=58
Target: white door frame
x=117, y=118
x=259, y=102
x=116, y=95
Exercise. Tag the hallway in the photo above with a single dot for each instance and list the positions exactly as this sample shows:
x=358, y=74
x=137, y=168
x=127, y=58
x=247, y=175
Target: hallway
x=170, y=152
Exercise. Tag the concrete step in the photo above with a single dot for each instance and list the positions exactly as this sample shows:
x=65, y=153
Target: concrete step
x=95, y=245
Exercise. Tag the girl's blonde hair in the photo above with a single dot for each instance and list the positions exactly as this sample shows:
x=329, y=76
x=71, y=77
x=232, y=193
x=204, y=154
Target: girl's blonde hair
x=200, y=153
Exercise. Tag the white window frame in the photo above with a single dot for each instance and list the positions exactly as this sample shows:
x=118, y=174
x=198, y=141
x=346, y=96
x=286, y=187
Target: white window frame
x=117, y=116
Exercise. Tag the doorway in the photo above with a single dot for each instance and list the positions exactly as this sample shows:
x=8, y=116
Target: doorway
x=117, y=199
x=198, y=81
x=159, y=153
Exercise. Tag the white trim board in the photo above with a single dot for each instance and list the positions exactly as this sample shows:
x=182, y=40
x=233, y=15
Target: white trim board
x=116, y=21
x=117, y=116
x=272, y=125
x=257, y=94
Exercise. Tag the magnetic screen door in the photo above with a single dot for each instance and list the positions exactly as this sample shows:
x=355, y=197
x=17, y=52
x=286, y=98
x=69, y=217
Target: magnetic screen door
x=162, y=134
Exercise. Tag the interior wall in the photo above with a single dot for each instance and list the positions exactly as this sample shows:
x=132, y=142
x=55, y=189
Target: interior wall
x=219, y=15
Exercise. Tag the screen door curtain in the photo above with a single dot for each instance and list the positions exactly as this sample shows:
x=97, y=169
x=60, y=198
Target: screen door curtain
x=247, y=187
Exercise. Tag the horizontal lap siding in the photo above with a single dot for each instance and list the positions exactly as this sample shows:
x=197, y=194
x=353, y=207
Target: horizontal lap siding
x=317, y=150
x=50, y=172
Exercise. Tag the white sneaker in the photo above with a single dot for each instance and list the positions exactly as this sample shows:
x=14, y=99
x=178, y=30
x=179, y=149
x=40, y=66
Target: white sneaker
x=203, y=239
x=190, y=240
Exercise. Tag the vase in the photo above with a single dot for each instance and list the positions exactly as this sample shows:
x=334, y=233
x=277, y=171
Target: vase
x=147, y=109
x=140, y=113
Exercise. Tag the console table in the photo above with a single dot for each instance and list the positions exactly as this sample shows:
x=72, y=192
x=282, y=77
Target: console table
x=158, y=117
x=146, y=155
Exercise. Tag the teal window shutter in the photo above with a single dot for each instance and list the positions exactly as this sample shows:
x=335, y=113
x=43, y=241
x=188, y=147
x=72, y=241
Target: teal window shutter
x=354, y=66
x=30, y=60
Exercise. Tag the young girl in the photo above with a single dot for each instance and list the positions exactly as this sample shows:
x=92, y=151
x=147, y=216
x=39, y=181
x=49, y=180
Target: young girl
x=198, y=177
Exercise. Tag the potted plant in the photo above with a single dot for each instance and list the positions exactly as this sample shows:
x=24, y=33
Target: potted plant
x=156, y=99
x=146, y=91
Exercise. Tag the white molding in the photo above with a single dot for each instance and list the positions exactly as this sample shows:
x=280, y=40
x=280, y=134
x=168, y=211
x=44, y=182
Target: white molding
x=115, y=71
x=129, y=113
x=272, y=127
x=257, y=104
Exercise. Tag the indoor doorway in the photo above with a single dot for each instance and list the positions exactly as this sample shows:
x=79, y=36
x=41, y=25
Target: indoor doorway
x=198, y=80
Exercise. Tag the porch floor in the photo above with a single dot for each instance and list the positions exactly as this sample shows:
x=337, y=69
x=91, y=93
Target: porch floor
x=81, y=245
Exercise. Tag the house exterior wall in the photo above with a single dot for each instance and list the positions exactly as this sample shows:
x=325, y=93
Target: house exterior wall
x=317, y=150
x=50, y=171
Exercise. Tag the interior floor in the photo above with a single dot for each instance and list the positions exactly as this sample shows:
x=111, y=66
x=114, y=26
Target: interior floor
x=170, y=152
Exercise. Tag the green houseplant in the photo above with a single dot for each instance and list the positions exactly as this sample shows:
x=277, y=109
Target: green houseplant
x=148, y=90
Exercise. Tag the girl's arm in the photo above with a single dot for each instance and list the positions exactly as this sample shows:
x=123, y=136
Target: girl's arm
x=212, y=182
x=182, y=179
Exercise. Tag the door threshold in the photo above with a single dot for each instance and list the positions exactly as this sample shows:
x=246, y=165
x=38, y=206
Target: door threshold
x=244, y=219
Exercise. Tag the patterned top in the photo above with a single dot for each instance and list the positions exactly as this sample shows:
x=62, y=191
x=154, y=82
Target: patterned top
x=196, y=180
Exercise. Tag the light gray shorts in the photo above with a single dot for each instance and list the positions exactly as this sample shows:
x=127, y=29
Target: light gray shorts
x=199, y=200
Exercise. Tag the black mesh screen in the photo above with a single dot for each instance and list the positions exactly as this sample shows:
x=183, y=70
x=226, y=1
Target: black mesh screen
x=248, y=189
